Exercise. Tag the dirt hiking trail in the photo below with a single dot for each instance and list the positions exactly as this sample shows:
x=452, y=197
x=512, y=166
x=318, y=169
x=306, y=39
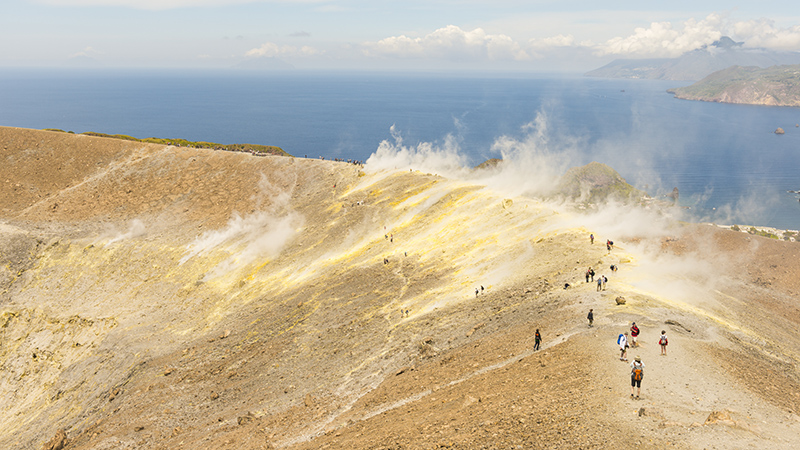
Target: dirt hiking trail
x=155, y=297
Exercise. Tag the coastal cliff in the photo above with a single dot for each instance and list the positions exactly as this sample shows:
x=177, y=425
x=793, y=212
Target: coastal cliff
x=773, y=86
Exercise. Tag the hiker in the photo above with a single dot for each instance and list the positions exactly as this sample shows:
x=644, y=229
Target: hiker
x=590, y=317
x=591, y=238
x=622, y=340
x=637, y=373
x=608, y=245
x=476, y=292
x=662, y=341
x=599, y=283
x=613, y=268
x=587, y=274
x=605, y=280
x=591, y=273
x=537, y=340
x=634, y=335
x=481, y=289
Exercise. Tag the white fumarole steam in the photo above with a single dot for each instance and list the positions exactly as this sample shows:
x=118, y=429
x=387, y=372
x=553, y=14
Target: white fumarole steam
x=249, y=238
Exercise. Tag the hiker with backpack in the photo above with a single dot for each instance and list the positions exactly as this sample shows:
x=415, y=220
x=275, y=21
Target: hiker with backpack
x=637, y=373
x=590, y=317
x=622, y=340
x=662, y=341
x=537, y=340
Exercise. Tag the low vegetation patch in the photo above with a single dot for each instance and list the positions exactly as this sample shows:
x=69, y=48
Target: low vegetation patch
x=249, y=148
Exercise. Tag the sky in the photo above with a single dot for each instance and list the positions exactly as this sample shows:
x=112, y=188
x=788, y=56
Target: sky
x=501, y=35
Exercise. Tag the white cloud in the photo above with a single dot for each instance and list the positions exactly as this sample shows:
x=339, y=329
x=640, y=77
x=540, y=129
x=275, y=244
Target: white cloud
x=270, y=49
x=450, y=42
x=662, y=40
x=763, y=33
x=553, y=41
x=87, y=52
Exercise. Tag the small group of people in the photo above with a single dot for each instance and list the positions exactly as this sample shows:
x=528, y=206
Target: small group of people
x=623, y=343
x=609, y=242
x=601, y=283
x=637, y=366
x=478, y=291
x=601, y=279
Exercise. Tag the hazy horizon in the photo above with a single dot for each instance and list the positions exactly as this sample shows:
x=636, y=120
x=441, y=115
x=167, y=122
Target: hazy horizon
x=539, y=36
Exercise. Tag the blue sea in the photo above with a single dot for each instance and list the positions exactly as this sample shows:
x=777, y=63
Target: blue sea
x=727, y=162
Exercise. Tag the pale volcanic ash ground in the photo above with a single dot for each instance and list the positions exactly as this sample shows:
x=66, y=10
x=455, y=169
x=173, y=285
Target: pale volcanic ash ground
x=155, y=297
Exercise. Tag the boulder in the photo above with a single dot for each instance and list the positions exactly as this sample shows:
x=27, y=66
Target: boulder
x=723, y=417
x=621, y=300
x=58, y=442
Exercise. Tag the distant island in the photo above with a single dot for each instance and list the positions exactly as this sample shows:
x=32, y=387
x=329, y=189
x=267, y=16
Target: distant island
x=696, y=64
x=773, y=86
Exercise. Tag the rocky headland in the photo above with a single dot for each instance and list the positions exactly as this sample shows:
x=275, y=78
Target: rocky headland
x=772, y=86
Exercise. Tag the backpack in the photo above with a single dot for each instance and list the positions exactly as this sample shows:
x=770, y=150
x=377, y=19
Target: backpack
x=637, y=372
x=663, y=340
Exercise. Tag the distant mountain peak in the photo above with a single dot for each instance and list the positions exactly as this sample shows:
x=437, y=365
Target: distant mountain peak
x=696, y=64
x=726, y=42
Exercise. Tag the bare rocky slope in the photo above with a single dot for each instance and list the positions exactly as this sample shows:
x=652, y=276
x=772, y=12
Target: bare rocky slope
x=772, y=86
x=154, y=297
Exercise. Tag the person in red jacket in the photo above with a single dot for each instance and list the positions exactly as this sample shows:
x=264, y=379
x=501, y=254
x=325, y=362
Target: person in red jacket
x=634, y=335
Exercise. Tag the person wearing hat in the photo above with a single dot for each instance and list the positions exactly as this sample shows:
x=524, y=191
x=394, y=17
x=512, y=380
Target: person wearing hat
x=637, y=373
x=622, y=341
